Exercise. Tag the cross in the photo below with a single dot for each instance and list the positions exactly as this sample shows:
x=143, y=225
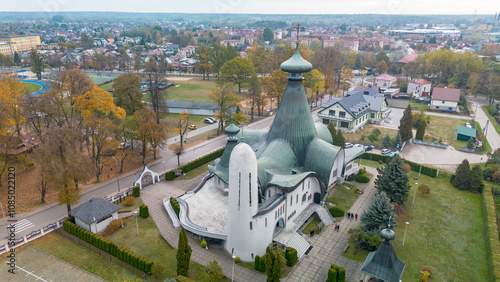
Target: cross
x=298, y=31
x=389, y=225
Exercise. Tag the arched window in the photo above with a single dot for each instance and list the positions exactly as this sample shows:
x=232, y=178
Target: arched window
x=303, y=198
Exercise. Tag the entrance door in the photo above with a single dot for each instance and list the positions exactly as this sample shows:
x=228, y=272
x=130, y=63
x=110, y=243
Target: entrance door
x=317, y=198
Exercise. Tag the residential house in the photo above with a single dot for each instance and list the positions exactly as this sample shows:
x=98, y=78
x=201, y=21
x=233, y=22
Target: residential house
x=384, y=81
x=419, y=88
x=95, y=214
x=445, y=99
x=360, y=107
x=18, y=145
x=408, y=59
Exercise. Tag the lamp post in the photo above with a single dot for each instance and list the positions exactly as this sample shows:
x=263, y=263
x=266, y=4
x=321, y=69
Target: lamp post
x=421, y=161
x=136, y=224
x=163, y=162
x=232, y=273
x=116, y=168
x=404, y=237
x=415, y=192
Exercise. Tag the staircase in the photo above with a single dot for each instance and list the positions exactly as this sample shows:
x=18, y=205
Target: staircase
x=325, y=216
x=294, y=240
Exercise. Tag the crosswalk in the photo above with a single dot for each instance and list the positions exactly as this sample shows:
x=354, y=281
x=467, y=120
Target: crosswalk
x=23, y=225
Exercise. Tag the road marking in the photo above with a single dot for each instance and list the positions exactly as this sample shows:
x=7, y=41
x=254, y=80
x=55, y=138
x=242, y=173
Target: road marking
x=23, y=225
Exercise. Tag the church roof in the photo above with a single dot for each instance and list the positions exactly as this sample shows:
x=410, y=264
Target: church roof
x=323, y=132
x=383, y=263
x=232, y=128
x=321, y=158
x=296, y=64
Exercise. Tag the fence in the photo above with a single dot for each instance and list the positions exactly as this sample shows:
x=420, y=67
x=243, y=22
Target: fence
x=432, y=144
x=32, y=236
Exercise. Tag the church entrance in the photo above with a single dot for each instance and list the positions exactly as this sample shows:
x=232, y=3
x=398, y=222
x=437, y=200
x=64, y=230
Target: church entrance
x=317, y=198
x=280, y=225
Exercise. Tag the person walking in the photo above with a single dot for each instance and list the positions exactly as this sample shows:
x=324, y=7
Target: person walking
x=348, y=214
x=356, y=216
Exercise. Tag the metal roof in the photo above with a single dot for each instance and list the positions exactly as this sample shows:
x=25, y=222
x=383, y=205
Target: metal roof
x=94, y=210
x=323, y=132
x=296, y=64
x=463, y=130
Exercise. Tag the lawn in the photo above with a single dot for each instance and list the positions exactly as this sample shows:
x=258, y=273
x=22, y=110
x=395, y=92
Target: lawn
x=32, y=87
x=366, y=131
x=371, y=163
x=359, y=256
x=419, y=105
x=73, y=253
x=99, y=79
x=444, y=128
x=193, y=90
x=493, y=121
x=202, y=169
x=150, y=244
x=311, y=226
x=445, y=233
x=107, y=86
x=342, y=197
x=137, y=203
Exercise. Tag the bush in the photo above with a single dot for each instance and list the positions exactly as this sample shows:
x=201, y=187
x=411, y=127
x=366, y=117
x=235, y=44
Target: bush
x=203, y=244
x=113, y=226
x=260, y=263
x=136, y=191
x=291, y=256
x=332, y=274
x=175, y=205
x=362, y=179
x=169, y=175
x=340, y=274
x=144, y=211
x=237, y=259
x=336, y=212
x=351, y=177
x=362, y=171
x=129, y=201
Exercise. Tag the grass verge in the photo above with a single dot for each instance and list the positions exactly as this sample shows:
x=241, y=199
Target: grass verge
x=486, y=144
x=202, y=169
x=342, y=197
x=359, y=256
x=492, y=121
x=137, y=203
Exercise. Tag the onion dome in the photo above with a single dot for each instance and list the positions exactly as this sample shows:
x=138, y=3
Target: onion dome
x=296, y=64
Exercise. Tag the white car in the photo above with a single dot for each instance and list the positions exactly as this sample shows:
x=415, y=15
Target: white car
x=348, y=145
x=210, y=120
x=358, y=146
x=386, y=151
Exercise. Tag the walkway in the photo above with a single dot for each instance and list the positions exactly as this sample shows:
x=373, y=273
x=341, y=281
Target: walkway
x=153, y=197
x=329, y=245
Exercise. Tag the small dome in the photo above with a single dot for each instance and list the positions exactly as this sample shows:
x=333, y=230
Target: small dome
x=296, y=64
x=232, y=128
x=388, y=234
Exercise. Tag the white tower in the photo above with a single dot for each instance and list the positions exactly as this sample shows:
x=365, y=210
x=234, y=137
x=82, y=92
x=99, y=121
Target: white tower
x=243, y=203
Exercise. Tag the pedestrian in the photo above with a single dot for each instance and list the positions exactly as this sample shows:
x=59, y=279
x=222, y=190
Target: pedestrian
x=348, y=214
x=338, y=228
x=352, y=215
x=356, y=216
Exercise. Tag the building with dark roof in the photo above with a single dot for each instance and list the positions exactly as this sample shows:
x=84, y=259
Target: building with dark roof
x=357, y=109
x=95, y=214
x=445, y=99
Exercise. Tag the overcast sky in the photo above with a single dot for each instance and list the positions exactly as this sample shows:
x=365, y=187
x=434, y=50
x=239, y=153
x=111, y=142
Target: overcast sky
x=260, y=6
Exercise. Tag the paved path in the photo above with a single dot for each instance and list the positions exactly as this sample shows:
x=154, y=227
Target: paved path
x=491, y=133
x=329, y=245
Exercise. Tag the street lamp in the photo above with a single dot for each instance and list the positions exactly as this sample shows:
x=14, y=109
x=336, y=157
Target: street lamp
x=404, y=237
x=116, y=168
x=415, y=192
x=136, y=224
x=232, y=273
x=163, y=162
x=421, y=161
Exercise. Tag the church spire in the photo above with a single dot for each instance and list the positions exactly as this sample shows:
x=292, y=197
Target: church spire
x=296, y=65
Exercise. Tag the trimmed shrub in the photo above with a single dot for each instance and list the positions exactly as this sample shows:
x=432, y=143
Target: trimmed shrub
x=203, y=244
x=113, y=226
x=340, y=274
x=129, y=201
x=362, y=179
x=237, y=259
x=169, y=175
x=336, y=212
x=260, y=263
x=291, y=256
x=175, y=205
x=136, y=191
x=332, y=275
x=144, y=211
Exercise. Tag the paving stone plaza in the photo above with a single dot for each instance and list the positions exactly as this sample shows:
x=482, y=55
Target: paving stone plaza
x=327, y=246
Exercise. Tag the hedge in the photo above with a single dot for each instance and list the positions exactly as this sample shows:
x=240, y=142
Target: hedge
x=260, y=263
x=136, y=191
x=362, y=178
x=490, y=232
x=175, y=205
x=336, y=274
x=332, y=275
x=432, y=172
x=109, y=247
x=143, y=211
x=196, y=163
x=336, y=212
x=291, y=256
x=340, y=274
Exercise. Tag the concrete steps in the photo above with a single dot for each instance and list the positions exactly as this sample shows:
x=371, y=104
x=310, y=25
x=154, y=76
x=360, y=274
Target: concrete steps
x=325, y=216
x=294, y=240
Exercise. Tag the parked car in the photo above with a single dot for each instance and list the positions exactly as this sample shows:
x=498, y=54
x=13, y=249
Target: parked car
x=358, y=146
x=192, y=126
x=348, y=145
x=386, y=151
x=369, y=148
x=209, y=120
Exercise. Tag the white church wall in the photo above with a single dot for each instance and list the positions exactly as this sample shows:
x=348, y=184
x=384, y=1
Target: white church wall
x=301, y=197
x=336, y=172
x=271, y=191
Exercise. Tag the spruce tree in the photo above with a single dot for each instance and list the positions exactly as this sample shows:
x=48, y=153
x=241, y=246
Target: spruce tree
x=393, y=180
x=470, y=143
x=378, y=215
x=477, y=179
x=275, y=261
x=462, y=178
x=420, y=131
x=386, y=141
x=332, y=130
x=396, y=143
x=406, y=124
x=339, y=140
x=183, y=254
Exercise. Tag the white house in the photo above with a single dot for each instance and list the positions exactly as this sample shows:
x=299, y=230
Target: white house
x=95, y=214
x=419, y=88
x=384, y=81
x=445, y=99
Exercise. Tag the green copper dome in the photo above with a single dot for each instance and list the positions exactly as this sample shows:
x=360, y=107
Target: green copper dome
x=388, y=234
x=232, y=129
x=296, y=64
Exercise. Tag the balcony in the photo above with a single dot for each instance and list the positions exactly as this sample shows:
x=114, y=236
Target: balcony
x=335, y=117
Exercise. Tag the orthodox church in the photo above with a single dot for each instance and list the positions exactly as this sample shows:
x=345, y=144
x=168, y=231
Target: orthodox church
x=268, y=183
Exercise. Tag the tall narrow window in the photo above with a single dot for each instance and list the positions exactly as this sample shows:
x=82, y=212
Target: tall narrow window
x=269, y=193
x=250, y=188
x=251, y=227
x=291, y=200
x=266, y=221
x=239, y=188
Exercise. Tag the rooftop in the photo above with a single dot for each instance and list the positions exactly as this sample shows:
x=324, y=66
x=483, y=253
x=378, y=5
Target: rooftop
x=385, y=77
x=446, y=94
x=94, y=210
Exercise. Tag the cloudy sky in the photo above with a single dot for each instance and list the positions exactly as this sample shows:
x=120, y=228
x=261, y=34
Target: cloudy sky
x=261, y=6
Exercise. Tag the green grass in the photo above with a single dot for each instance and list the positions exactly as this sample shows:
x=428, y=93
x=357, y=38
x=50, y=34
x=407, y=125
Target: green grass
x=486, y=144
x=311, y=226
x=32, y=87
x=106, y=86
x=202, y=169
x=99, y=79
x=419, y=105
x=444, y=128
x=493, y=121
x=193, y=90
x=342, y=197
x=366, y=131
x=73, y=253
x=445, y=233
x=137, y=203
x=371, y=163
x=150, y=244
x=359, y=256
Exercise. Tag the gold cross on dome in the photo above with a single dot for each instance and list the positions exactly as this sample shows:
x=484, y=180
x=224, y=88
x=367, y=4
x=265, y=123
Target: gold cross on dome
x=298, y=31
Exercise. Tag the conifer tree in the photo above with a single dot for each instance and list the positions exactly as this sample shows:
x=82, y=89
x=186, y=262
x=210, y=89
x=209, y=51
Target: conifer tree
x=420, y=131
x=378, y=215
x=332, y=130
x=393, y=180
x=275, y=261
x=183, y=254
x=386, y=141
x=477, y=179
x=462, y=178
x=339, y=139
x=470, y=143
x=406, y=124
x=396, y=143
